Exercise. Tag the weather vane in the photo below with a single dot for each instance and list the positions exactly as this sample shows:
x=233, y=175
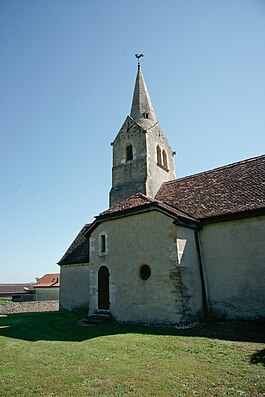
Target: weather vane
x=138, y=56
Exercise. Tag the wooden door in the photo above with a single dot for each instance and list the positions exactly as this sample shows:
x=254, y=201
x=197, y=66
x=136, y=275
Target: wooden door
x=103, y=288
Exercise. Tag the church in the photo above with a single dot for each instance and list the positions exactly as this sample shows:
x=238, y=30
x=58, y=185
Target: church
x=169, y=251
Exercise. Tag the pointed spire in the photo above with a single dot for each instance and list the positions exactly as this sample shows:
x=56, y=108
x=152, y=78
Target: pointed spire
x=142, y=110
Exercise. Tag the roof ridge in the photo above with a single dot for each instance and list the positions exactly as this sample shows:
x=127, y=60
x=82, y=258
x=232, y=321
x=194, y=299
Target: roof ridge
x=139, y=194
x=251, y=159
x=176, y=208
x=49, y=274
x=145, y=196
x=121, y=205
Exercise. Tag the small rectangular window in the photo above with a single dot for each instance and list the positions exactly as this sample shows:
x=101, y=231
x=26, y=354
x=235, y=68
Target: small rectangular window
x=129, y=153
x=103, y=243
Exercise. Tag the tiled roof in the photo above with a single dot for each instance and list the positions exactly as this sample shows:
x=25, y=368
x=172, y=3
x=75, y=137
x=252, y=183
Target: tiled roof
x=139, y=200
x=13, y=289
x=176, y=211
x=48, y=280
x=78, y=250
x=231, y=189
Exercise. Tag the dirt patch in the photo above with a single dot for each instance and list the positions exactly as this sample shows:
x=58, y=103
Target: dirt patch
x=23, y=307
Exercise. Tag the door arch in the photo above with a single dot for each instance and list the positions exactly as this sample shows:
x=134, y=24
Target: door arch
x=103, y=288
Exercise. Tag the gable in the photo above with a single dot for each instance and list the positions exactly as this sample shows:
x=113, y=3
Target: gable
x=130, y=236
x=128, y=129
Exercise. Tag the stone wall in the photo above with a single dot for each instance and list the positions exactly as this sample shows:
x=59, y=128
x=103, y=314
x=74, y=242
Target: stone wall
x=156, y=175
x=128, y=177
x=23, y=307
x=188, y=265
x=141, y=174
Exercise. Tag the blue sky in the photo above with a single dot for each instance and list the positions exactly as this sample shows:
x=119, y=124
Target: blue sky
x=67, y=75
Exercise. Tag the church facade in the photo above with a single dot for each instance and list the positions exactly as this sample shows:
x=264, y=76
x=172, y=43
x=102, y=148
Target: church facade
x=169, y=251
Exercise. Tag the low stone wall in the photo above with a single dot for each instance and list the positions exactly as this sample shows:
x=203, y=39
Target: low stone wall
x=23, y=307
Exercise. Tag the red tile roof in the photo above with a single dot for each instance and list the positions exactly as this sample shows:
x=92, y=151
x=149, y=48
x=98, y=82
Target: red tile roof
x=140, y=200
x=137, y=200
x=231, y=189
x=49, y=280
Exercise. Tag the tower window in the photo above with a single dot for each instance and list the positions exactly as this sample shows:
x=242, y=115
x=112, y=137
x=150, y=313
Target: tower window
x=158, y=155
x=146, y=115
x=129, y=153
x=164, y=155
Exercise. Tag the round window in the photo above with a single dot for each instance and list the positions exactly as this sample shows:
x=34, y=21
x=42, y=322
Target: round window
x=145, y=272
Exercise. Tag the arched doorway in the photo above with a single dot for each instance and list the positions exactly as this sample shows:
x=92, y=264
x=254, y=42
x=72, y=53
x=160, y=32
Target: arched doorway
x=103, y=288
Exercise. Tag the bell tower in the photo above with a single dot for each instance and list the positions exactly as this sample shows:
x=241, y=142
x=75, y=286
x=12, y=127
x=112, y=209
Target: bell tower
x=142, y=156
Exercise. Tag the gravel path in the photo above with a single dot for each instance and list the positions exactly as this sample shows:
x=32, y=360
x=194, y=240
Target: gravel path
x=22, y=307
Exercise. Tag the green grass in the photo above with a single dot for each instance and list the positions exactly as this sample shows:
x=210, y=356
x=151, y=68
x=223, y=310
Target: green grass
x=48, y=354
x=5, y=301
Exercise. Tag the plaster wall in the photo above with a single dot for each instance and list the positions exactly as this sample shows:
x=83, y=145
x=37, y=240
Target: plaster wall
x=234, y=264
x=74, y=289
x=147, y=238
x=47, y=293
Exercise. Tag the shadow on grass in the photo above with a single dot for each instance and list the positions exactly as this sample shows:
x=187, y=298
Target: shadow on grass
x=64, y=326
x=258, y=357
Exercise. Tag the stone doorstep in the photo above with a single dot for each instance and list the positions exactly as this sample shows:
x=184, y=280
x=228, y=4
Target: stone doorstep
x=100, y=317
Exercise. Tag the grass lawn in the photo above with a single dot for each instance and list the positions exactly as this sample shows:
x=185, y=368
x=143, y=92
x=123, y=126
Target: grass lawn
x=6, y=301
x=49, y=354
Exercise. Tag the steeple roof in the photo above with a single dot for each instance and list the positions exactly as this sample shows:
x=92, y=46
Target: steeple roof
x=142, y=110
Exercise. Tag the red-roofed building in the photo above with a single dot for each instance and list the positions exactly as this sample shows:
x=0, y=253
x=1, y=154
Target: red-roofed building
x=48, y=287
x=169, y=250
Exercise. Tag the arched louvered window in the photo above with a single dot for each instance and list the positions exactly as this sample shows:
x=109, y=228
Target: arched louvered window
x=164, y=155
x=158, y=155
x=129, y=153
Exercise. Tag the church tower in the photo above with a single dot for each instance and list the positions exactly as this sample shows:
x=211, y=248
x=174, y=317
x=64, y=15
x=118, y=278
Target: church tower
x=142, y=156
